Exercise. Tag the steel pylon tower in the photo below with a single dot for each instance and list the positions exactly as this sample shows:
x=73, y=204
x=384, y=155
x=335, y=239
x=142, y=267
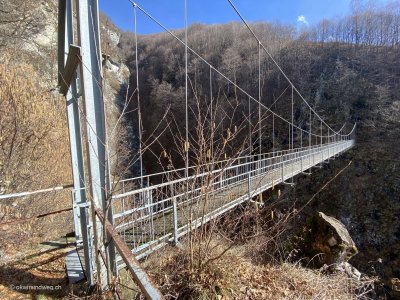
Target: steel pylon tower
x=80, y=74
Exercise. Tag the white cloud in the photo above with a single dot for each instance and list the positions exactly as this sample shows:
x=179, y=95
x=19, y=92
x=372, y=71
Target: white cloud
x=302, y=19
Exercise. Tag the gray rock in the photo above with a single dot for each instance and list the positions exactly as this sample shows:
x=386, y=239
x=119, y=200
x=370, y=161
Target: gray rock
x=328, y=242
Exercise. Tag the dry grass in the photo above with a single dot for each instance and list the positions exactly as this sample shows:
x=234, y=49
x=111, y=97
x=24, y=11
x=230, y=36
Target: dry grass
x=235, y=275
x=34, y=154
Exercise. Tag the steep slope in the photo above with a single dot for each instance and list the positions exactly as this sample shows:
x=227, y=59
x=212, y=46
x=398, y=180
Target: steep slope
x=362, y=83
x=34, y=133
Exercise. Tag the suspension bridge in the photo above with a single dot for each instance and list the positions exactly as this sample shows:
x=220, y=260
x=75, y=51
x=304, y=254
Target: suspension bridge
x=116, y=227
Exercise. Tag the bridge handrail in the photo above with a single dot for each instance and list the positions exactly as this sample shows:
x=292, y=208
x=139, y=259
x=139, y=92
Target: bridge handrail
x=196, y=193
x=211, y=172
x=268, y=154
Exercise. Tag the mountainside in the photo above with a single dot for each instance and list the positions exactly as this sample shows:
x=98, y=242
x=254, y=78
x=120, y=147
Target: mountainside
x=362, y=83
x=34, y=142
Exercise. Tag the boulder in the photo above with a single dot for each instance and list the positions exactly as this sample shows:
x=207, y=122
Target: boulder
x=328, y=243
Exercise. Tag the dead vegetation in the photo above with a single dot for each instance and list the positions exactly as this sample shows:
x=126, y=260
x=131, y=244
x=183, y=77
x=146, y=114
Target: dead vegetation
x=34, y=154
x=243, y=256
x=238, y=275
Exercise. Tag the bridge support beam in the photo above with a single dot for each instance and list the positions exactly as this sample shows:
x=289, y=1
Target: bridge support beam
x=91, y=78
x=79, y=202
x=89, y=59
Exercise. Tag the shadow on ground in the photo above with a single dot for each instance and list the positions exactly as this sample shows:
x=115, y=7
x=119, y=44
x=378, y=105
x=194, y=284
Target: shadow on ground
x=37, y=273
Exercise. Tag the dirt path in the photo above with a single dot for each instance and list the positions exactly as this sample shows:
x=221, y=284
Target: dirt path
x=36, y=274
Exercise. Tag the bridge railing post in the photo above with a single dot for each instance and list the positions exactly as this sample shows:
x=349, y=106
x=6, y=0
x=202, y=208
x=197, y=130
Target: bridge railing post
x=329, y=147
x=249, y=185
x=313, y=151
x=175, y=219
x=221, y=178
x=301, y=163
x=292, y=162
x=150, y=210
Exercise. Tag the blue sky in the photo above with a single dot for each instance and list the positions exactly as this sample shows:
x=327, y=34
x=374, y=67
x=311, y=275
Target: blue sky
x=170, y=13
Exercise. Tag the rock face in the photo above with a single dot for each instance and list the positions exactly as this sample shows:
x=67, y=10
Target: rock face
x=328, y=242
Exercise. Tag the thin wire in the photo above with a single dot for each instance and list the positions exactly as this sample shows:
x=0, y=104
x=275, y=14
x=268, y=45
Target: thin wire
x=24, y=194
x=259, y=98
x=108, y=184
x=138, y=98
x=186, y=114
x=212, y=120
x=329, y=137
x=310, y=129
x=276, y=100
x=292, y=118
x=301, y=139
x=321, y=134
x=186, y=95
x=273, y=133
x=16, y=221
x=250, y=129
